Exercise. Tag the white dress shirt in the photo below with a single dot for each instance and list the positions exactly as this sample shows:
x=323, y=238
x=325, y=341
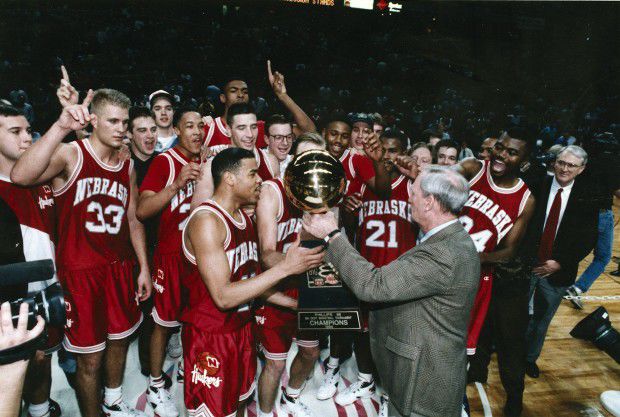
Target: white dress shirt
x=436, y=230
x=555, y=186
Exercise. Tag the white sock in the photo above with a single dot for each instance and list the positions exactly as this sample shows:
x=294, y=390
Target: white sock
x=364, y=377
x=112, y=395
x=578, y=290
x=293, y=392
x=333, y=362
x=262, y=413
x=156, y=382
x=39, y=410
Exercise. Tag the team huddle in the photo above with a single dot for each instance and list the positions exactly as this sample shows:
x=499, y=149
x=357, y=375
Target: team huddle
x=226, y=256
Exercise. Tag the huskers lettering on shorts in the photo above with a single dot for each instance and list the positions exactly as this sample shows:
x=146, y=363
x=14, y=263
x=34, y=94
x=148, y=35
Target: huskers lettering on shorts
x=488, y=215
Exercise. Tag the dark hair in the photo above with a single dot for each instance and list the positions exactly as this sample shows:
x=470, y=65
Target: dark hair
x=430, y=133
x=229, y=79
x=276, y=119
x=395, y=133
x=136, y=112
x=229, y=160
x=447, y=143
x=238, y=108
x=178, y=113
x=337, y=116
x=522, y=133
x=10, y=111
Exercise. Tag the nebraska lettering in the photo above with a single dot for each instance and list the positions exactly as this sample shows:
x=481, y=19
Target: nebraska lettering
x=88, y=187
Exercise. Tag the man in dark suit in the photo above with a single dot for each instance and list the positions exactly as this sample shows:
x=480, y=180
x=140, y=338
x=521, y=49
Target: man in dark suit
x=562, y=232
x=418, y=340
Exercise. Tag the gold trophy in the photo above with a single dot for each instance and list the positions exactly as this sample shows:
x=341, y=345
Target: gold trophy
x=315, y=182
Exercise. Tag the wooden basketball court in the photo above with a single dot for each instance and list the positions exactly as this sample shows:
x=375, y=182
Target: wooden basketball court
x=573, y=373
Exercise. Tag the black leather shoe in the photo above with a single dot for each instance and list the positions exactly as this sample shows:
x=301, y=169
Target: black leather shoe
x=531, y=369
x=513, y=407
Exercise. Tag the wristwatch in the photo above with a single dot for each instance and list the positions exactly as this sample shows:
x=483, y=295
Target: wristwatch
x=330, y=235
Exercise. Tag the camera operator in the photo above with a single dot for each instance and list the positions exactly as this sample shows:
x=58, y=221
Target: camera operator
x=13, y=374
x=603, y=175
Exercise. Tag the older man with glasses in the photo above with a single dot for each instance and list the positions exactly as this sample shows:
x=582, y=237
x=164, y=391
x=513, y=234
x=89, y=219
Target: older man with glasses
x=562, y=232
x=279, y=137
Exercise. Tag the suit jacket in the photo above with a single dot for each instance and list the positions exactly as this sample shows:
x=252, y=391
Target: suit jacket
x=418, y=339
x=576, y=235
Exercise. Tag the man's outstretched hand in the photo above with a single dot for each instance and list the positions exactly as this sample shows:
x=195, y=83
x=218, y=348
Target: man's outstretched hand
x=76, y=116
x=276, y=80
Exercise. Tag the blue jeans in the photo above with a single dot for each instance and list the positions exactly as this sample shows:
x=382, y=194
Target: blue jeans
x=547, y=299
x=602, y=251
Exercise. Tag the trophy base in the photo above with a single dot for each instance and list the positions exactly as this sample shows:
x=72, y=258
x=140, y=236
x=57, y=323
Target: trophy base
x=325, y=303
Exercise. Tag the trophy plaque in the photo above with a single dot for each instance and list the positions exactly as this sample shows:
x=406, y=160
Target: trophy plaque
x=315, y=182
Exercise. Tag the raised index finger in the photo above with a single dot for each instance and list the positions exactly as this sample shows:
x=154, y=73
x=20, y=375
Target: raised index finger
x=269, y=69
x=89, y=98
x=65, y=74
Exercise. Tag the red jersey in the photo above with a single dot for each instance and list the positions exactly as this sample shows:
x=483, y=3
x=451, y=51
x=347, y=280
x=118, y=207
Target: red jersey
x=34, y=209
x=490, y=212
x=218, y=137
x=386, y=229
x=265, y=170
x=358, y=168
x=163, y=171
x=242, y=252
x=289, y=225
x=93, y=229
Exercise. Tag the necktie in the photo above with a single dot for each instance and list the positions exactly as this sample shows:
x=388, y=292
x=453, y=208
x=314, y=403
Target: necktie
x=548, y=235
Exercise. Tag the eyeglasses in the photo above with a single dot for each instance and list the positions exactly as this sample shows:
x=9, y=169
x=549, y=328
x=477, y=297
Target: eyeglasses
x=567, y=165
x=280, y=138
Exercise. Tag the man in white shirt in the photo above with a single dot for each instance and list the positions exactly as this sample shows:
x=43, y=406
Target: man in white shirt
x=162, y=105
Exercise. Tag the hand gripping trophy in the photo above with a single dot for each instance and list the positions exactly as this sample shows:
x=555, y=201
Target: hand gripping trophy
x=315, y=183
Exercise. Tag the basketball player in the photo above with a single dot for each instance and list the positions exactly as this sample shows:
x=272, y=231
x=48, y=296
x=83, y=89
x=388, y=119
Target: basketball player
x=384, y=232
x=166, y=192
x=221, y=247
x=243, y=129
x=98, y=233
x=235, y=90
x=279, y=223
x=358, y=167
x=497, y=213
x=486, y=148
x=34, y=208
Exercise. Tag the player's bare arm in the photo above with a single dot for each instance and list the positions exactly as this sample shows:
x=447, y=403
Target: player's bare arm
x=203, y=189
x=49, y=158
x=152, y=203
x=509, y=245
x=205, y=238
x=381, y=183
x=266, y=221
x=468, y=168
x=138, y=241
x=274, y=164
x=303, y=123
